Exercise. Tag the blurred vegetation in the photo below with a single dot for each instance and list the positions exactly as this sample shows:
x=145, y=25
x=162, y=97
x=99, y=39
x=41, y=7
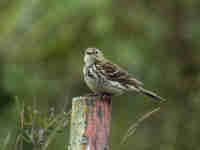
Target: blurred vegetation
x=41, y=60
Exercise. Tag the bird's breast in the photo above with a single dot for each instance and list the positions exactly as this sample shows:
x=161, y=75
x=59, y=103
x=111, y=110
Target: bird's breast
x=91, y=78
x=97, y=82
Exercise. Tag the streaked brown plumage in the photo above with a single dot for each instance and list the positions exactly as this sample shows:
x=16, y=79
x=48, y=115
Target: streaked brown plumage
x=102, y=76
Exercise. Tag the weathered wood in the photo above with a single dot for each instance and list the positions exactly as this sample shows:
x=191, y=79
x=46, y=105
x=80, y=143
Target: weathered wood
x=90, y=122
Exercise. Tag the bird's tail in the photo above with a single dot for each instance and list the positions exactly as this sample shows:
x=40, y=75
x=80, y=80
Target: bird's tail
x=151, y=94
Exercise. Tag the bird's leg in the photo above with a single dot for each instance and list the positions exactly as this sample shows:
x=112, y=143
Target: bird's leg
x=105, y=95
x=94, y=94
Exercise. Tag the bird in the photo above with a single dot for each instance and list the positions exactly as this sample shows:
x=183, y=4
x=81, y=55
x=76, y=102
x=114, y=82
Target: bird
x=104, y=77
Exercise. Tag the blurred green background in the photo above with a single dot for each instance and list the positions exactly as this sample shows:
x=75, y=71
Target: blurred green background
x=41, y=59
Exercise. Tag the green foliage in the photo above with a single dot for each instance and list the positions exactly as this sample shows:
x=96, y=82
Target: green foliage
x=41, y=59
x=6, y=141
x=37, y=130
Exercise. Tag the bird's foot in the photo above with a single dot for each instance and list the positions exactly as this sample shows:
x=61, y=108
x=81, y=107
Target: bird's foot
x=105, y=95
x=94, y=94
x=101, y=95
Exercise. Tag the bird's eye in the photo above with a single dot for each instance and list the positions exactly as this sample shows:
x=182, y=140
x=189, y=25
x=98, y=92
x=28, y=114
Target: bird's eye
x=96, y=52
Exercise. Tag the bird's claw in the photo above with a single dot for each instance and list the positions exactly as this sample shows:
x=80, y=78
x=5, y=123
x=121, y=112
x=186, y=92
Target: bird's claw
x=101, y=95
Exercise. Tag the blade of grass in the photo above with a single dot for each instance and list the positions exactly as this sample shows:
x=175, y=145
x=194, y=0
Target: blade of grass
x=132, y=129
x=6, y=141
x=59, y=126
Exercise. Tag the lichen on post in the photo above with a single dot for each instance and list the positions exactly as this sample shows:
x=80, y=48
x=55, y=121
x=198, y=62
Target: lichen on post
x=90, y=123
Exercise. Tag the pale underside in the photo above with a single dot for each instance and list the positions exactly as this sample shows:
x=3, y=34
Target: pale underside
x=98, y=83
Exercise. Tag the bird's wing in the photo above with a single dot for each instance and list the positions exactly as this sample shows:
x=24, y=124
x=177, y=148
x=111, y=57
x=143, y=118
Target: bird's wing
x=114, y=73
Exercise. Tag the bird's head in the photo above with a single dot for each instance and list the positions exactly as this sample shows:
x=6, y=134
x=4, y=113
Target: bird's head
x=92, y=55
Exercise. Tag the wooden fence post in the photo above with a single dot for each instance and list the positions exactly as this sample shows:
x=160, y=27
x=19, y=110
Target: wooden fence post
x=90, y=123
